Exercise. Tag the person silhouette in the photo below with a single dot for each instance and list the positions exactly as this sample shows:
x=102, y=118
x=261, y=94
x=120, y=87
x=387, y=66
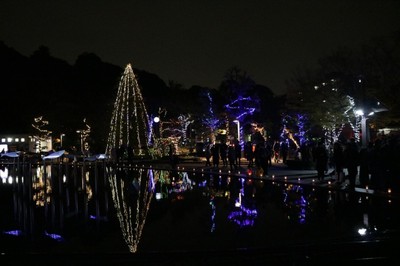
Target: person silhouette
x=321, y=160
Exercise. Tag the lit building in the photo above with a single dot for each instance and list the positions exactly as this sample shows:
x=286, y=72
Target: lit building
x=24, y=142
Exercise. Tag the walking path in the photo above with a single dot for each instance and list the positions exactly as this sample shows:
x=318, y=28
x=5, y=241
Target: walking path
x=280, y=172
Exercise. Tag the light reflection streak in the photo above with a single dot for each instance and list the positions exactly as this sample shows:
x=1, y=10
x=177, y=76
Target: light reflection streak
x=132, y=192
x=295, y=200
x=244, y=213
x=14, y=232
x=56, y=237
x=213, y=213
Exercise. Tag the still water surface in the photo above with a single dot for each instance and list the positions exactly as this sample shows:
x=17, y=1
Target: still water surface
x=92, y=207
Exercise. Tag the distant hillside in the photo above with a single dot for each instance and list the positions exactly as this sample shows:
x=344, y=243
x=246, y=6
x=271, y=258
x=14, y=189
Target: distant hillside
x=64, y=94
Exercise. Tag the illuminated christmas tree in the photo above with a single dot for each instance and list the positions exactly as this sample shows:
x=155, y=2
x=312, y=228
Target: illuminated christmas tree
x=130, y=122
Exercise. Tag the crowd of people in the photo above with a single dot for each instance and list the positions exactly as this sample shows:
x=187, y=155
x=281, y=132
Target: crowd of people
x=258, y=155
x=375, y=165
x=224, y=153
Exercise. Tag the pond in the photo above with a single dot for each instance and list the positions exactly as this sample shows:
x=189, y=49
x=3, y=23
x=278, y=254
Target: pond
x=145, y=212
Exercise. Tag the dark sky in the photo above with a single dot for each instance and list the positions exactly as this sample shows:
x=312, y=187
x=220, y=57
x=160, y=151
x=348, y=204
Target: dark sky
x=195, y=42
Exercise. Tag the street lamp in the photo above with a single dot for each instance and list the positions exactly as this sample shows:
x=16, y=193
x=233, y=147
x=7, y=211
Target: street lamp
x=237, y=122
x=61, y=139
x=80, y=132
x=364, y=132
x=371, y=107
x=157, y=120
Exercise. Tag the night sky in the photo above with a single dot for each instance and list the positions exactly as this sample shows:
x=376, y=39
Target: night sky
x=195, y=42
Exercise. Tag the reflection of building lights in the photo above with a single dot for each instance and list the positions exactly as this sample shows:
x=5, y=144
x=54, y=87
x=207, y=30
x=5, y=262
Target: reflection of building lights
x=4, y=174
x=362, y=231
x=238, y=202
x=158, y=196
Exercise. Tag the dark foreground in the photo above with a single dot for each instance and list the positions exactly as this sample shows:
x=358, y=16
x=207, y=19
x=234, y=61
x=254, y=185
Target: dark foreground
x=205, y=218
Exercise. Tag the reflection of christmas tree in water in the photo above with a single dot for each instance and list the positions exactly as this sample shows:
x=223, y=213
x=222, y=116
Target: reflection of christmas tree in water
x=129, y=122
x=132, y=192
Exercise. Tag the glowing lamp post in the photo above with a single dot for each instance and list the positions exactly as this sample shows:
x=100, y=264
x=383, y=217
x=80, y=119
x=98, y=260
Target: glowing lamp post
x=237, y=122
x=80, y=132
x=364, y=133
x=370, y=106
x=364, y=126
x=61, y=139
x=158, y=121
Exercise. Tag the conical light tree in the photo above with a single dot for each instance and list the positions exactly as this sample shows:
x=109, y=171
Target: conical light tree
x=130, y=122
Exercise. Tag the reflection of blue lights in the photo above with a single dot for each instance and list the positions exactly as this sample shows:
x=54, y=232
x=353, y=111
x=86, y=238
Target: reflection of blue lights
x=19, y=233
x=55, y=237
x=13, y=232
x=242, y=188
x=152, y=185
x=243, y=217
x=203, y=184
x=293, y=196
x=213, y=212
x=93, y=217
